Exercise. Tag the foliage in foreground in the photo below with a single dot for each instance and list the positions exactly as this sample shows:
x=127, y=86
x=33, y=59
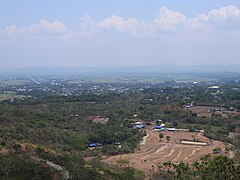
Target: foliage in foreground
x=21, y=166
x=219, y=167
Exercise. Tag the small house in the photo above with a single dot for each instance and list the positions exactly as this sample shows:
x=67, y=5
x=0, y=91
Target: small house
x=171, y=129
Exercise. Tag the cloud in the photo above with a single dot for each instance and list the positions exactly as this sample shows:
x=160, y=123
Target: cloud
x=225, y=18
x=118, y=23
x=54, y=27
x=221, y=15
x=44, y=27
x=168, y=22
x=115, y=24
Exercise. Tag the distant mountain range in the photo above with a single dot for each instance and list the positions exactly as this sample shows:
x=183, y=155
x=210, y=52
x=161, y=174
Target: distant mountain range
x=164, y=68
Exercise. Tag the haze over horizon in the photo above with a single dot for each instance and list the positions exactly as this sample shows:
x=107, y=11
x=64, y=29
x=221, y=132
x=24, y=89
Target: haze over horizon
x=111, y=34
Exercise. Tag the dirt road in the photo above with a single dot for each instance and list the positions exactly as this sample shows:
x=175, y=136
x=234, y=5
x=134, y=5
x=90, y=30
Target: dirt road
x=153, y=152
x=54, y=166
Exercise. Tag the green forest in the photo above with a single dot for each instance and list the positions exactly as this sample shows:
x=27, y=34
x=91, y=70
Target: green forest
x=58, y=129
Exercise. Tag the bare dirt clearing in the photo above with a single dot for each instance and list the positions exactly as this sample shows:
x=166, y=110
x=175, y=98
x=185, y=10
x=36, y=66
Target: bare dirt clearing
x=208, y=110
x=202, y=110
x=152, y=151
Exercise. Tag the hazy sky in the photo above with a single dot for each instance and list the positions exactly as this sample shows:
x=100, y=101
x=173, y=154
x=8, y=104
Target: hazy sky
x=37, y=33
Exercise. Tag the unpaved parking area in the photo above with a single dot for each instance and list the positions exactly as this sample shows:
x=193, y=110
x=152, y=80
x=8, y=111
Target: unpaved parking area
x=153, y=152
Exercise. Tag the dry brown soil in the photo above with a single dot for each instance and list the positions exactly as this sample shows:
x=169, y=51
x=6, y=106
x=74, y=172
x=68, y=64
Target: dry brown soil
x=153, y=152
x=203, y=111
